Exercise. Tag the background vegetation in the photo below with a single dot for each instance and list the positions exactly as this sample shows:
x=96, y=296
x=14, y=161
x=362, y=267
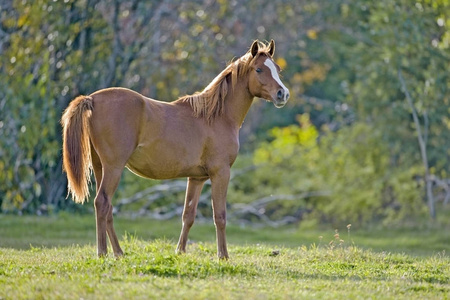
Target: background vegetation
x=365, y=137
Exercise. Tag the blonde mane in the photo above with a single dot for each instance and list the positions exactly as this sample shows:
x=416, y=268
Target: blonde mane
x=209, y=103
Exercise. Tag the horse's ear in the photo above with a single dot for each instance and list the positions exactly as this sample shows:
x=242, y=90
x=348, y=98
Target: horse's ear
x=254, y=48
x=272, y=47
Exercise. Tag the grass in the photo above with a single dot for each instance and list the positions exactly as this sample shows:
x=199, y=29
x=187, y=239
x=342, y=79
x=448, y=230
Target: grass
x=265, y=263
x=65, y=230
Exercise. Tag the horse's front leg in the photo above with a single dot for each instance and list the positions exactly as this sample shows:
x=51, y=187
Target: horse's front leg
x=219, y=186
x=193, y=191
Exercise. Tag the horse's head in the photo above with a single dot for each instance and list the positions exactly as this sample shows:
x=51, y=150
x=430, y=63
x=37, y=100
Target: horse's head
x=264, y=79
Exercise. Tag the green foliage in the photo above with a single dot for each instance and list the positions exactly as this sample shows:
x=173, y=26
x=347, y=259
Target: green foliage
x=40, y=70
x=400, y=57
x=342, y=176
x=341, y=61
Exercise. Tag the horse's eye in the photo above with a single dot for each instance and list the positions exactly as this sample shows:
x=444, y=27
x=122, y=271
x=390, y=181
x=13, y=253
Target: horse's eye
x=258, y=70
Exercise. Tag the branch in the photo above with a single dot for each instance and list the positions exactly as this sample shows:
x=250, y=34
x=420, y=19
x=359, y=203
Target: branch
x=266, y=200
x=255, y=207
x=444, y=184
x=237, y=211
x=153, y=193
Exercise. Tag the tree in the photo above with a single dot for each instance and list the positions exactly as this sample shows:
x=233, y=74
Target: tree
x=398, y=52
x=378, y=66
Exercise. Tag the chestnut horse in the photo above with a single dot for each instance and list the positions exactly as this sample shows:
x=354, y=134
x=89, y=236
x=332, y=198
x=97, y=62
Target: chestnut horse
x=195, y=136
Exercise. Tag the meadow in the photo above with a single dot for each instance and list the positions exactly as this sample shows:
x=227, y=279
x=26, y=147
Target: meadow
x=54, y=258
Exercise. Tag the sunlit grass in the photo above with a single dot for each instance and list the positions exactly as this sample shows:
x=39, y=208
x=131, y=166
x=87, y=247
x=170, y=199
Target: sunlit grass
x=55, y=258
x=151, y=270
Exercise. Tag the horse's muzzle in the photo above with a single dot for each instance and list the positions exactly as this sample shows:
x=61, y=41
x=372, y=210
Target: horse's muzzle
x=282, y=98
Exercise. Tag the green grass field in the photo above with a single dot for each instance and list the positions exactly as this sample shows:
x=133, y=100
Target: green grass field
x=54, y=258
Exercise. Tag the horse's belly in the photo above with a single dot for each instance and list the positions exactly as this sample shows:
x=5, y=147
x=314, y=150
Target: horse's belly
x=164, y=164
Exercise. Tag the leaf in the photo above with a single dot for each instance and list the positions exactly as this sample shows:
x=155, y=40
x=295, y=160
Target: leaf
x=281, y=62
x=22, y=20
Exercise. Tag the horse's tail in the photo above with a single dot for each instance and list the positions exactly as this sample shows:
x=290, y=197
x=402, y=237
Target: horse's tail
x=76, y=147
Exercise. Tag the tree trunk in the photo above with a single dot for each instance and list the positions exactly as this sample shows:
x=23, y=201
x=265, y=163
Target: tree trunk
x=422, y=146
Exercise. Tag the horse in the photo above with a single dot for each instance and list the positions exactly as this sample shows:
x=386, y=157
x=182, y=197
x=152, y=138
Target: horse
x=195, y=136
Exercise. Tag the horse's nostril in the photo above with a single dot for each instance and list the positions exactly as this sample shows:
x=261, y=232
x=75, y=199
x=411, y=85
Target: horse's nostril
x=280, y=95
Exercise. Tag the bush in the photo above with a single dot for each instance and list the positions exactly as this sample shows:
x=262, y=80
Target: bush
x=343, y=176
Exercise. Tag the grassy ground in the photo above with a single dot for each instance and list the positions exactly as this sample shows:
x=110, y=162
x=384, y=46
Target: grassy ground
x=265, y=263
x=64, y=230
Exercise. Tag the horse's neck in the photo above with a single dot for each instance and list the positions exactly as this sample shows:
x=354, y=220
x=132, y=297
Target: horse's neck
x=237, y=104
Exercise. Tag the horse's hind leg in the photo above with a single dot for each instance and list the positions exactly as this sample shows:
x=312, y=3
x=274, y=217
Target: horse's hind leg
x=107, y=181
x=97, y=167
x=193, y=191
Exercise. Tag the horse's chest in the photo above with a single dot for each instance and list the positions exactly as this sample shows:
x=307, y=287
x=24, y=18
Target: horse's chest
x=224, y=150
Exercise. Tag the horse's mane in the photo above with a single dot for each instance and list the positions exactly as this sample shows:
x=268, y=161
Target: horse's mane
x=209, y=103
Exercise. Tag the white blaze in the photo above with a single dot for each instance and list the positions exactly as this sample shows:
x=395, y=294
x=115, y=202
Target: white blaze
x=273, y=70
